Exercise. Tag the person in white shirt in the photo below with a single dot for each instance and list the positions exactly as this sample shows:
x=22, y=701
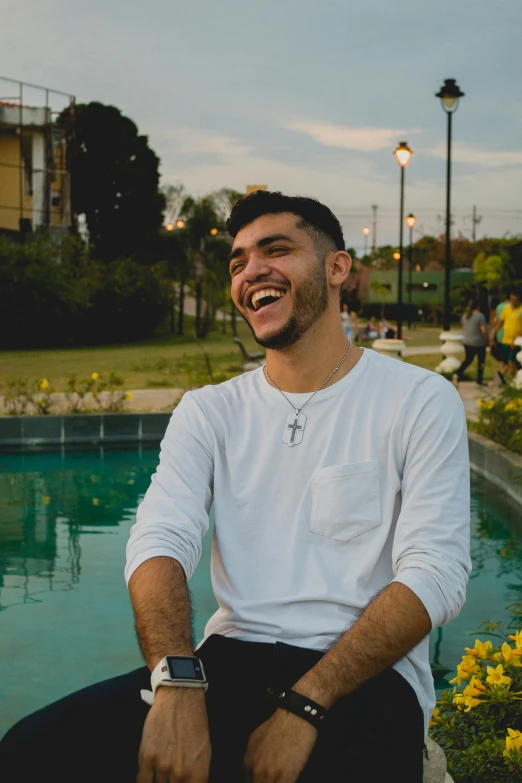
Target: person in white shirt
x=340, y=485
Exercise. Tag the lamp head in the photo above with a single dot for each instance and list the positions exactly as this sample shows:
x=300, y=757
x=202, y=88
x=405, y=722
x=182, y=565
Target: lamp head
x=411, y=220
x=449, y=95
x=366, y=231
x=403, y=154
x=397, y=256
x=169, y=227
x=180, y=223
x=213, y=231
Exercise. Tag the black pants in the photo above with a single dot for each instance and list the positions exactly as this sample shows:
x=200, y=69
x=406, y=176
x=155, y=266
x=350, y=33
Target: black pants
x=471, y=352
x=93, y=736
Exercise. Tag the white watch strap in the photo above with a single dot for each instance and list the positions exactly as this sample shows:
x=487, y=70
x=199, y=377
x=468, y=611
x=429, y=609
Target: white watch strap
x=161, y=676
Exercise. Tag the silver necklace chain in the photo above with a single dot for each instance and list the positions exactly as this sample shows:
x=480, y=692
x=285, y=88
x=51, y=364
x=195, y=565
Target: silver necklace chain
x=298, y=410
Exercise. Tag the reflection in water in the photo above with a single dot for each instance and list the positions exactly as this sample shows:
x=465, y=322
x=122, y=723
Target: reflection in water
x=48, y=501
x=495, y=586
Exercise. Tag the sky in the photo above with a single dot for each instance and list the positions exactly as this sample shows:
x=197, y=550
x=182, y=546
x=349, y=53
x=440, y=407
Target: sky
x=310, y=97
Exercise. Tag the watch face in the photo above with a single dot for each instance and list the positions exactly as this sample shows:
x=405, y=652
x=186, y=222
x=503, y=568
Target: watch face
x=185, y=668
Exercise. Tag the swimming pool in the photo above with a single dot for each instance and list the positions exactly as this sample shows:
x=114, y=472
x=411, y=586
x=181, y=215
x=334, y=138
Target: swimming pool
x=65, y=615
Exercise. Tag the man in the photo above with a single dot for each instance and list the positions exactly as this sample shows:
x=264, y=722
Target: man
x=510, y=320
x=339, y=480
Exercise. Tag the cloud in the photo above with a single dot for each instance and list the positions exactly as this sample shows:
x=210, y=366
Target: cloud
x=192, y=140
x=360, y=139
x=477, y=156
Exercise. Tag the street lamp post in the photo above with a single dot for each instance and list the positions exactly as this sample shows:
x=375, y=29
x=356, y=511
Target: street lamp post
x=403, y=154
x=450, y=96
x=366, y=231
x=410, y=221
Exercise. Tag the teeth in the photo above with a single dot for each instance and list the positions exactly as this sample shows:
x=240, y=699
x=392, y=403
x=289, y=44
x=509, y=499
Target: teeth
x=265, y=292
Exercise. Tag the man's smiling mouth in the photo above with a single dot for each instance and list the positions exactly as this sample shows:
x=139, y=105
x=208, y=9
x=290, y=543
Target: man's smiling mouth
x=265, y=297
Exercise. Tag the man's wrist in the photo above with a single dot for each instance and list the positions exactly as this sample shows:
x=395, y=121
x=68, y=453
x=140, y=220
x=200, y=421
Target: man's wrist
x=315, y=692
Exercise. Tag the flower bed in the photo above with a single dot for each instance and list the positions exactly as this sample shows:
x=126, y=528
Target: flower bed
x=479, y=723
x=500, y=419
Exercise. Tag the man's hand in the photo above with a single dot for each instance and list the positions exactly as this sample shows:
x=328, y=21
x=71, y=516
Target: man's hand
x=279, y=749
x=175, y=745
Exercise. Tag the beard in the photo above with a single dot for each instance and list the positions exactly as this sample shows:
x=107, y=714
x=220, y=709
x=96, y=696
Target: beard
x=310, y=302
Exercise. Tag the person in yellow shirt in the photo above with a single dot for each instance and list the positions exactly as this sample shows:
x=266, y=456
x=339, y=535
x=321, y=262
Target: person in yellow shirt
x=511, y=319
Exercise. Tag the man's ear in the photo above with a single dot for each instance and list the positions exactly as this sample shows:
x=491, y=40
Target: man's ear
x=339, y=265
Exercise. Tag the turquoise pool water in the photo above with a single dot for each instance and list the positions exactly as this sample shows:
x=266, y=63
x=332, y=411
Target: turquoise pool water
x=65, y=616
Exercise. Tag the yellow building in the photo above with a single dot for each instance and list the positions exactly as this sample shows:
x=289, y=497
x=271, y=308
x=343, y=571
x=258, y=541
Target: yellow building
x=34, y=184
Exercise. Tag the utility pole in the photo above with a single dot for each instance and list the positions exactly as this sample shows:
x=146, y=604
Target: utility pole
x=475, y=220
x=374, y=228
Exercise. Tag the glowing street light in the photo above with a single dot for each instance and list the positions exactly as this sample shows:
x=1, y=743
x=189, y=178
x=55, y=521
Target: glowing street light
x=450, y=95
x=396, y=256
x=410, y=221
x=366, y=231
x=402, y=154
x=180, y=223
x=214, y=231
x=169, y=227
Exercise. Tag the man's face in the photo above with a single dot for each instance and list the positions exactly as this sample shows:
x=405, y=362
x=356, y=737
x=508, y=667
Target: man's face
x=278, y=281
x=514, y=300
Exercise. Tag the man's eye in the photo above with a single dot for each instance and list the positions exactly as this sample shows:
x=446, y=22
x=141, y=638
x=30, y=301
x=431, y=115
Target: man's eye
x=236, y=267
x=278, y=250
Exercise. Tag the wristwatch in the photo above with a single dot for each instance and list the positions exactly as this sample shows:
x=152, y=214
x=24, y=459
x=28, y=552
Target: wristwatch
x=181, y=671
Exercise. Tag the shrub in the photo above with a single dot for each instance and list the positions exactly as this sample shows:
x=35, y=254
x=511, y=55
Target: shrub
x=479, y=723
x=500, y=419
x=54, y=293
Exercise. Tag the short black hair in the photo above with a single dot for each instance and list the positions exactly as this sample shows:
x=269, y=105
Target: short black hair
x=314, y=215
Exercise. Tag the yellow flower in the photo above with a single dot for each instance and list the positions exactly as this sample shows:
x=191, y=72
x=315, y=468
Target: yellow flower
x=496, y=677
x=465, y=668
x=46, y=500
x=517, y=638
x=40, y=400
x=480, y=650
x=480, y=402
x=95, y=502
x=489, y=405
x=95, y=376
x=475, y=688
x=513, y=741
x=510, y=406
x=128, y=396
x=44, y=384
x=434, y=717
x=467, y=701
x=509, y=655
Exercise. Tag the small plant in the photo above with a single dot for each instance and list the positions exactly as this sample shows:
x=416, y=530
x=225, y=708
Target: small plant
x=77, y=390
x=500, y=418
x=23, y=397
x=107, y=392
x=479, y=723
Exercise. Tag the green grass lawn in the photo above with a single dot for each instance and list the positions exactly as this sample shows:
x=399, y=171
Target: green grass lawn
x=164, y=362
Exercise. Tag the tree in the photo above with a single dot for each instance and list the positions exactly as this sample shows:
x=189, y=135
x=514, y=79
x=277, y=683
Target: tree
x=114, y=180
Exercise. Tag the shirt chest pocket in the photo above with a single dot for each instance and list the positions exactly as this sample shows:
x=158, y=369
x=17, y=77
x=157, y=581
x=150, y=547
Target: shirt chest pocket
x=346, y=500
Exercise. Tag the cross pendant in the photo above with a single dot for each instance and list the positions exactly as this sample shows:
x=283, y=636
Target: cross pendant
x=294, y=428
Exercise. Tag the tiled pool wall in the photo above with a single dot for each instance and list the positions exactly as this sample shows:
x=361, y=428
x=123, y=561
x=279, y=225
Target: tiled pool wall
x=25, y=433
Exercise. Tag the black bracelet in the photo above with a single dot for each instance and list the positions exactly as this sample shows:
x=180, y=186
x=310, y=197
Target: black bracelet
x=302, y=706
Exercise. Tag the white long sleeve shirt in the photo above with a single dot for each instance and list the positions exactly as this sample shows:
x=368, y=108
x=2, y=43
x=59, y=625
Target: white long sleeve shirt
x=304, y=537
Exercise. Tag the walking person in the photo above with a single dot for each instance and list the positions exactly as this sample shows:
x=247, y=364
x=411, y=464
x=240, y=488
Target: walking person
x=511, y=320
x=350, y=322
x=475, y=340
x=497, y=340
x=339, y=480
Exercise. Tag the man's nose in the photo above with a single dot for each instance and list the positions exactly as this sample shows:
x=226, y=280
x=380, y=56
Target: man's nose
x=257, y=266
